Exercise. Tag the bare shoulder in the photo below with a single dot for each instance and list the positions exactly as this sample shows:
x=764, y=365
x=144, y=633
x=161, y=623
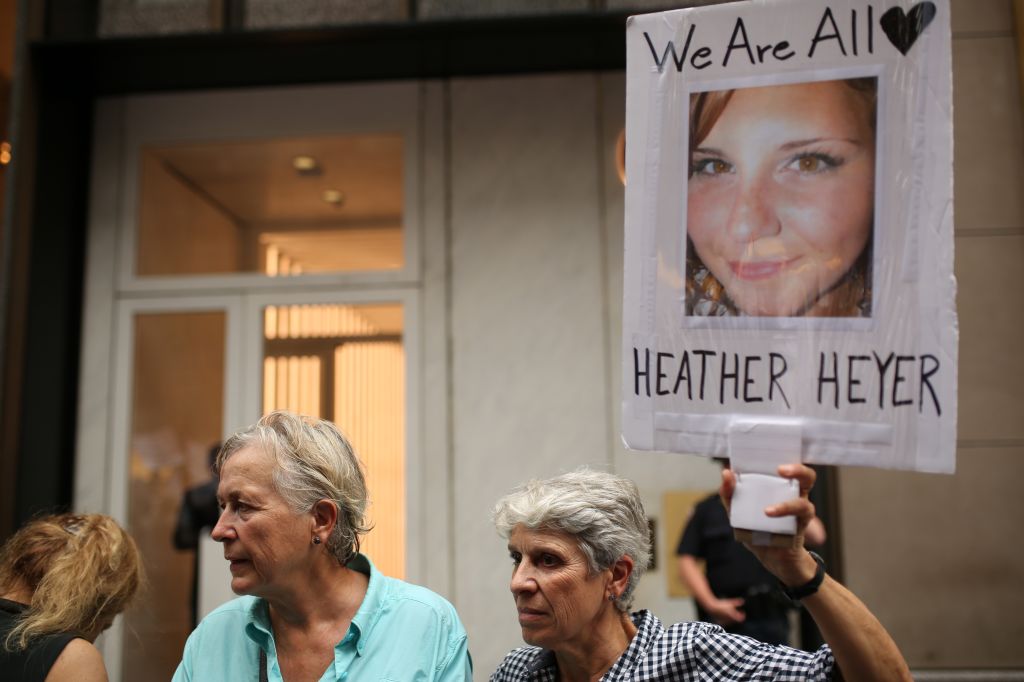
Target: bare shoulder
x=79, y=662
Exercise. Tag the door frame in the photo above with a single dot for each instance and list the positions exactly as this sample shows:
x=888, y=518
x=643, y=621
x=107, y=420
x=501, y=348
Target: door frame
x=101, y=481
x=113, y=295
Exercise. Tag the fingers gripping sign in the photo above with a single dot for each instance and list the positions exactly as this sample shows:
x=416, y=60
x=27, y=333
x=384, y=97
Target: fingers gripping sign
x=757, y=448
x=787, y=559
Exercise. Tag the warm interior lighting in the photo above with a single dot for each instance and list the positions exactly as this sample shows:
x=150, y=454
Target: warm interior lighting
x=278, y=263
x=334, y=197
x=369, y=403
x=5, y=153
x=306, y=165
x=349, y=249
x=216, y=207
x=347, y=363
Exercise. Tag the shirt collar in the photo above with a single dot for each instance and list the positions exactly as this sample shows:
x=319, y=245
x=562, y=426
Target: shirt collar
x=542, y=660
x=646, y=626
x=369, y=611
x=258, y=626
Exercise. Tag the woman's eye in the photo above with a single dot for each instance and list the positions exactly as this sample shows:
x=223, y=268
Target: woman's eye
x=548, y=560
x=812, y=163
x=809, y=164
x=515, y=557
x=710, y=167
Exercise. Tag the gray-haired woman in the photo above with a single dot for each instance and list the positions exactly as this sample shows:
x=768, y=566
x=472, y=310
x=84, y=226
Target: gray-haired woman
x=579, y=544
x=293, y=499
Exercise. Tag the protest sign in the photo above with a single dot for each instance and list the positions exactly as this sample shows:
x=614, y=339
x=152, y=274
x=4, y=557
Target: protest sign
x=789, y=230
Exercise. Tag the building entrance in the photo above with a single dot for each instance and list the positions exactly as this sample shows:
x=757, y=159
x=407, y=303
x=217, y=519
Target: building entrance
x=248, y=252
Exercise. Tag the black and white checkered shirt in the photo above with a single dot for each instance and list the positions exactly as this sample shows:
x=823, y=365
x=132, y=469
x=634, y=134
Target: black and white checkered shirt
x=684, y=651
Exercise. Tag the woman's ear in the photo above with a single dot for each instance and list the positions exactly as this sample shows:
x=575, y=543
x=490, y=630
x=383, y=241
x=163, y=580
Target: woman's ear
x=621, y=570
x=325, y=516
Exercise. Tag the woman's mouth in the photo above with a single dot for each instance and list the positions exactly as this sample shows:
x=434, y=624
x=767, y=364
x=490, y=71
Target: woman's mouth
x=757, y=270
x=527, y=616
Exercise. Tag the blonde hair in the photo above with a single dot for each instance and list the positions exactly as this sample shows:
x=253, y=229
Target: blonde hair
x=81, y=570
x=315, y=461
x=851, y=295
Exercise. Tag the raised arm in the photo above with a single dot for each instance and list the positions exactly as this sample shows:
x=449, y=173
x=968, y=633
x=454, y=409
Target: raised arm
x=862, y=648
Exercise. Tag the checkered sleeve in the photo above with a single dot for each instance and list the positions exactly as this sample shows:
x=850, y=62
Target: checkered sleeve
x=718, y=655
x=682, y=653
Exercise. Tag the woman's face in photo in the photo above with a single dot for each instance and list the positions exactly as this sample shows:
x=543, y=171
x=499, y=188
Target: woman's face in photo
x=781, y=194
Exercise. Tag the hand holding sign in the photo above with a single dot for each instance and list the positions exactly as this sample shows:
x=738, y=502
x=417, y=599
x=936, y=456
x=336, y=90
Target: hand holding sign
x=786, y=561
x=758, y=448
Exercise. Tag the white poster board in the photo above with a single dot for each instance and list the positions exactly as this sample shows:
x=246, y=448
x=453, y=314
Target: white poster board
x=789, y=230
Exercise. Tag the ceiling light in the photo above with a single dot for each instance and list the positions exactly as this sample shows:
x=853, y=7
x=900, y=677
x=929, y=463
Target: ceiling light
x=306, y=165
x=334, y=197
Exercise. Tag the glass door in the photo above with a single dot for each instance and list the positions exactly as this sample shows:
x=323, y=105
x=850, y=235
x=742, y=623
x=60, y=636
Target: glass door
x=193, y=370
x=345, y=361
x=181, y=385
x=248, y=251
x=173, y=400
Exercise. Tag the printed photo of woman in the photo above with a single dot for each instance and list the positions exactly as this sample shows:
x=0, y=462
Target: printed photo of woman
x=781, y=201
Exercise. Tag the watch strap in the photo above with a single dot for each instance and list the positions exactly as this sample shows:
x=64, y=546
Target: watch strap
x=811, y=586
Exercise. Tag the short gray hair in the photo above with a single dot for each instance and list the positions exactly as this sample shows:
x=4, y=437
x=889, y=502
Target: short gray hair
x=315, y=461
x=602, y=511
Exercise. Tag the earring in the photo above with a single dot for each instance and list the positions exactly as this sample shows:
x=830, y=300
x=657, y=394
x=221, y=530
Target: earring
x=316, y=539
x=612, y=597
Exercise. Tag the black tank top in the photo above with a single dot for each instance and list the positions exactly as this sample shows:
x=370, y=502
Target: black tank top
x=33, y=663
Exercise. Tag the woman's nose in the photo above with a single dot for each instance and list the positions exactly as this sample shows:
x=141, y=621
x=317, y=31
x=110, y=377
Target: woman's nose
x=221, y=529
x=753, y=213
x=522, y=580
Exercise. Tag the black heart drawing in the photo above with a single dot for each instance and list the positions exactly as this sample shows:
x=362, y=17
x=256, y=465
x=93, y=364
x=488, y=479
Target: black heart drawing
x=903, y=29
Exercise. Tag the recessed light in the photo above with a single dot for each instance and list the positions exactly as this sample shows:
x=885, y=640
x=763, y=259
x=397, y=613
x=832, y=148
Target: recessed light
x=334, y=197
x=306, y=165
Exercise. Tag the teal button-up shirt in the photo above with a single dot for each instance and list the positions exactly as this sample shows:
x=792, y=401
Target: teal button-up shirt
x=401, y=633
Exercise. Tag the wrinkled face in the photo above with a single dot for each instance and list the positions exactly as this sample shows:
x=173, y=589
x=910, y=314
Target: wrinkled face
x=268, y=545
x=557, y=599
x=781, y=194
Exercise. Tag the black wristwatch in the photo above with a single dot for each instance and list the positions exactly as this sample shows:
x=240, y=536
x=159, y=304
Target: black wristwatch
x=811, y=586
